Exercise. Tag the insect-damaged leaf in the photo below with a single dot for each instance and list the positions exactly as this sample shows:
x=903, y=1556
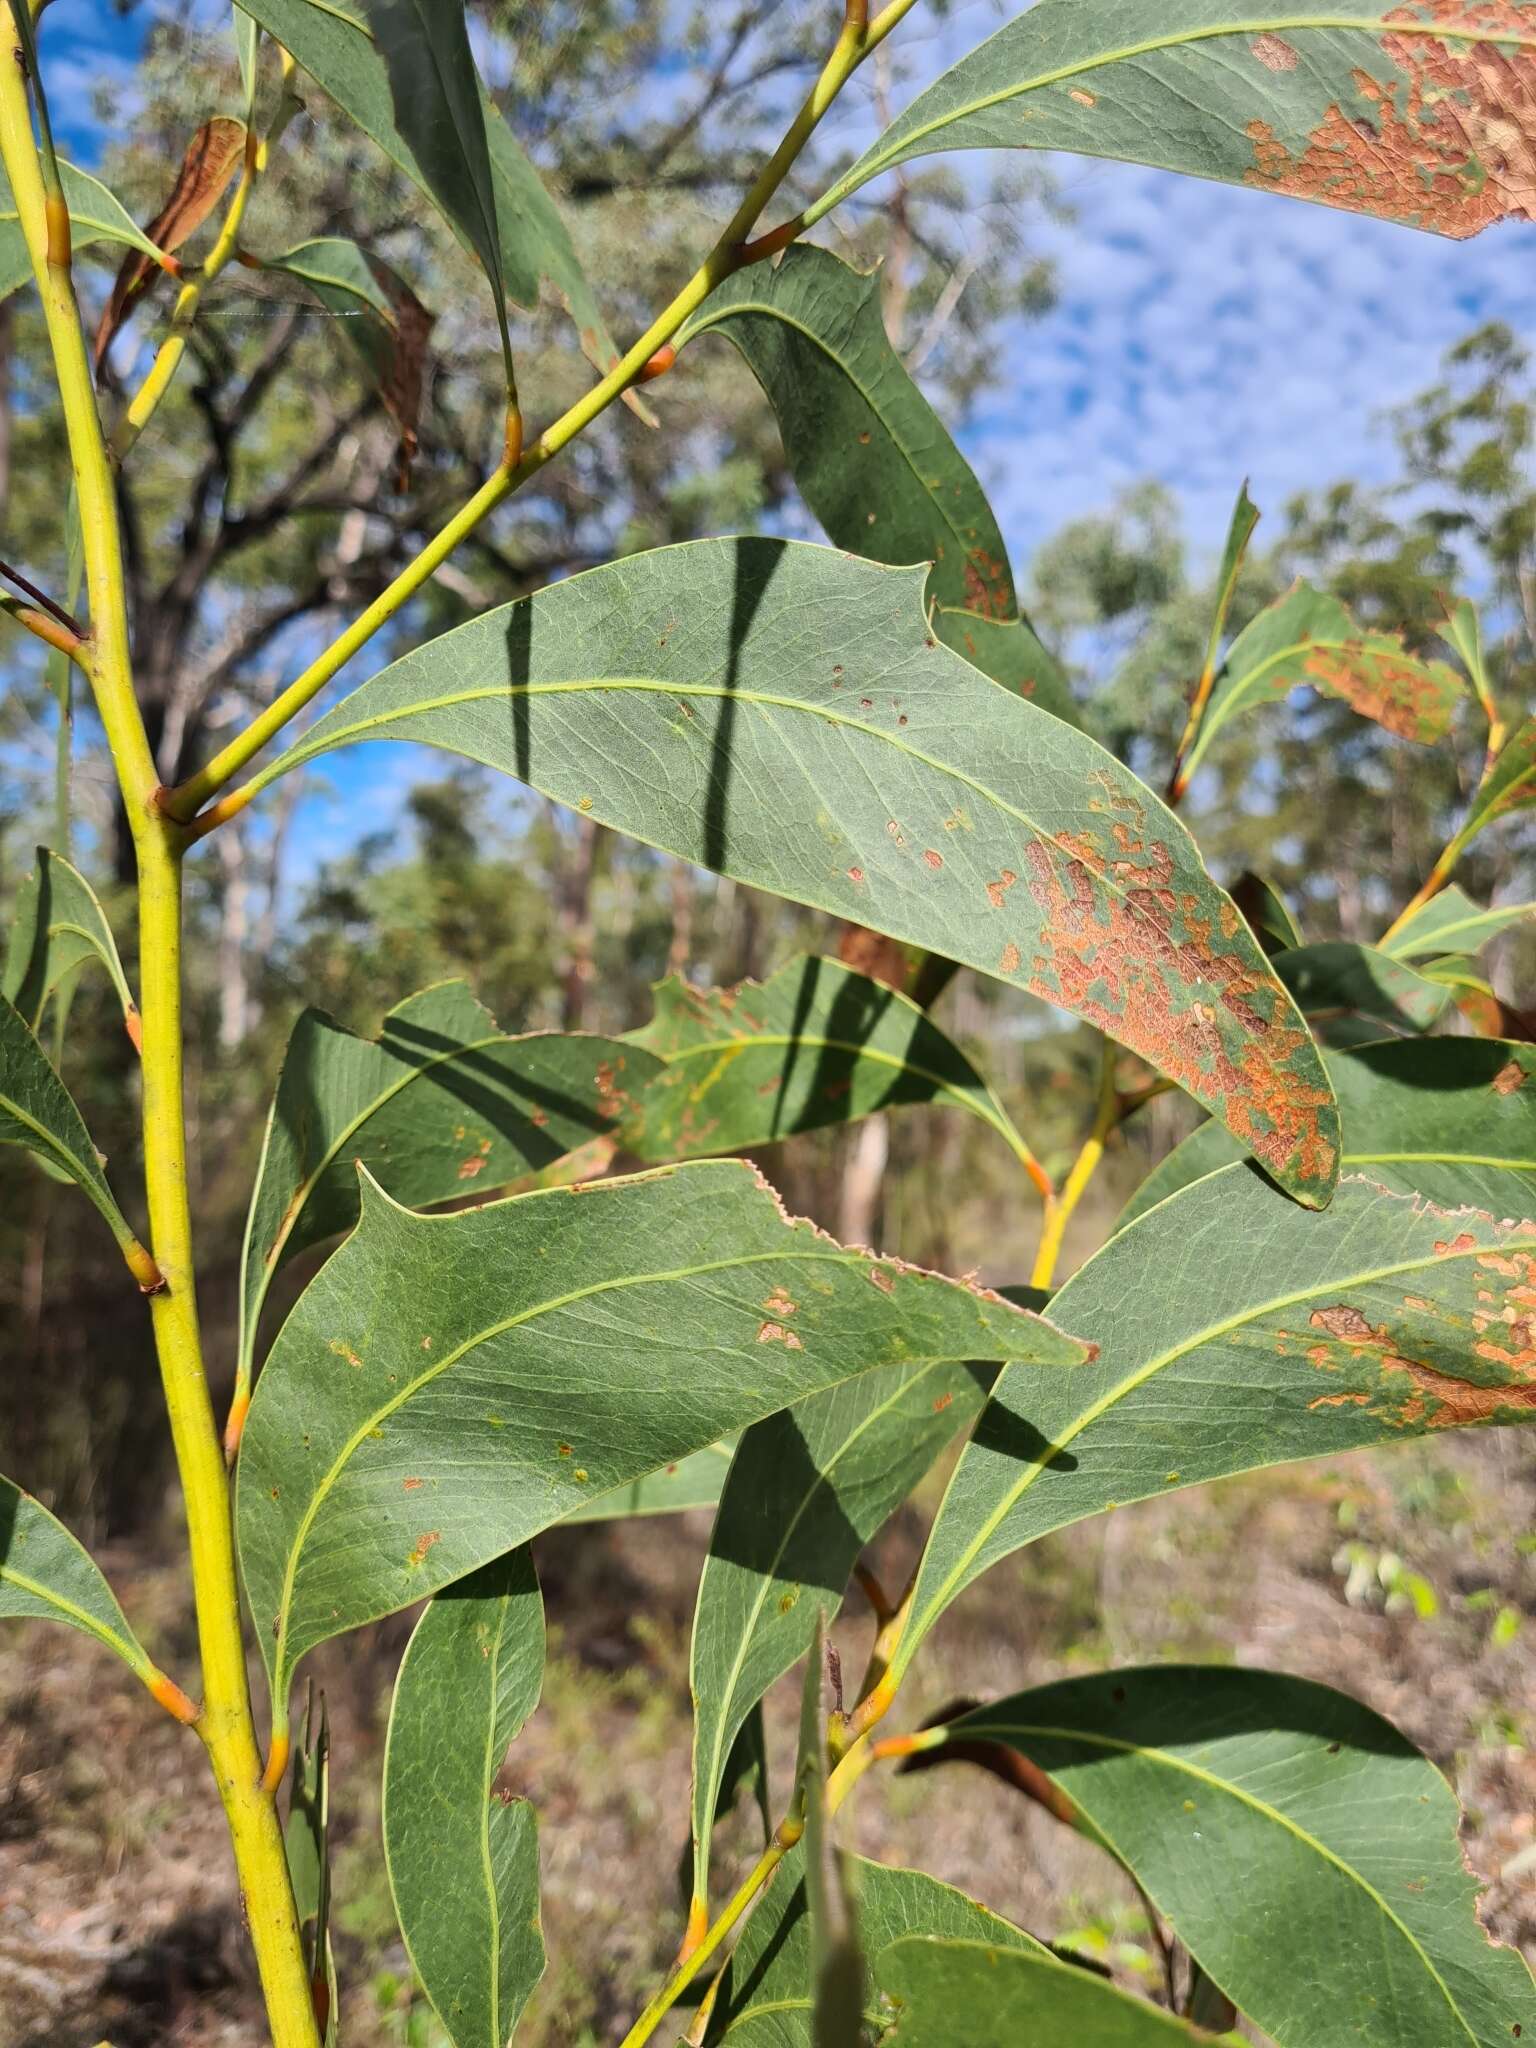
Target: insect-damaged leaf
x=461, y=1843
x=871, y=457
x=94, y=216
x=1237, y=1330
x=46, y=1575
x=815, y=1044
x=1214, y=1784
x=808, y=1488
x=1340, y=979
x=1452, y=923
x=447, y=1386
x=212, y=157
x=335, y=45
x=800, y=731
x=1416, y=113
x=38, y=1112
x=58, y=927
x=1418, y=1105
x=1308, y=637
x=969, y=1994
x=379, y=315
x=441, y=1103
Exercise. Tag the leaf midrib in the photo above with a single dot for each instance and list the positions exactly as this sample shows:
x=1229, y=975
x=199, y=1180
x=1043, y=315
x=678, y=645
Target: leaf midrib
x=342, y=735
x=1129, y=1385
x=1091, y=1738
x=397, y=1400
x=1505, y=913
x=967, y=548
x=1239, y=695
x=1274, y=25
x=823, y=1483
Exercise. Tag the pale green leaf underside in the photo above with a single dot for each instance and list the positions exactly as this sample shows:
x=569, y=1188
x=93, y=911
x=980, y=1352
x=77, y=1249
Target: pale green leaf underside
x=38, y=1113
x=461, y=1846
x=447, y=1386
x=57, y=927
x=780, y=713
x=46, y=1575
x=808, y=1489
x=443, y=1103
x=971, y=1994
x=94, y=214
x=1214, y=1784
x=1355, y=104
x=692, y=1482
x=1237, y=1330
x=815, y=1044
x=1452, y=923
x=1424, y=1107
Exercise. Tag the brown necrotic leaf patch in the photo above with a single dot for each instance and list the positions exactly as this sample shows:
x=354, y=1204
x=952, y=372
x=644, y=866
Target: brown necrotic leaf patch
x=1413, y=699
x=1137, y=956
x=1274, y=53
x=1446, y=136
x=211, y=160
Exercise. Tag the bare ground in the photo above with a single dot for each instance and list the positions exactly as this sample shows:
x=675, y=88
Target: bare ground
x=1400, y=1576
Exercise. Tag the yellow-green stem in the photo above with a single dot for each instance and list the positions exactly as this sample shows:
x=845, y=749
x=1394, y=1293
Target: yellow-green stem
x=728, y=255
x=1434, y=882
x=1086, y=1165
x=224, y=1720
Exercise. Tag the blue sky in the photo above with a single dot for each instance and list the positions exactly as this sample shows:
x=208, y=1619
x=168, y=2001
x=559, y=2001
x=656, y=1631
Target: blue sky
x=1202, y=334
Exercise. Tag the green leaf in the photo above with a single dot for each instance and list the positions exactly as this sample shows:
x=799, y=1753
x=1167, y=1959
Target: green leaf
x=836, y=1976
x=38, y=1112
x=58, y=927
x=449, y=1385
x=247, y=49
x=442, y=1103
x=1308, y=638
x=1339, y=979
x=816, y=1044
x=378, y=314
x=1236, y=1330
x=765, y=2001
x=462, y=1845
x=1010, y=652
x=46, y=1575
x=1217, y=1785
x=871, y=457
x=808, y=1488
x=1421, y=1105
x=439, y=112
x=1245, y=517
x=94, y=214
x=779, y=713
x=336, y=47
x=1452, y=923
x=1267, y=912
x=967, y=1994
x=1366, y=106
x=692, y=1482
x=1509, y=786
x=307, y=1845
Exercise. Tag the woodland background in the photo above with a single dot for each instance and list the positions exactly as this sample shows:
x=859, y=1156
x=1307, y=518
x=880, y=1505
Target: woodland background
x=268, y=505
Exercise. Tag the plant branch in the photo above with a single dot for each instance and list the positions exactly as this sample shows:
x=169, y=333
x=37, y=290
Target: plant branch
x=44, y=626
x=730, y=253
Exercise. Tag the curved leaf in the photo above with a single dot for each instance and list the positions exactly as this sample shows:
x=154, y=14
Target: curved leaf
x=211, y=160
x=378, y=314
x=1339, y=979
x=692, y=1482
x=1212, y=1783
x=691, y=698
x=815, y=1044
x=1509, y=786
x=765, y=1999
x=1308, y=638
x=447, y=1386
x=440, y=1104
x=1405, y=113
x=461, y=1844
x=1236, y=1330
x=1422, y=1105
x=334, y=44
x=807, y=1490
x=871, y=457
x=38, y=1112
x=94, y=216
x=1452, y=923
x=58, y=927
x=1267, y=912
x=967, y=1994
x=46, y=1575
